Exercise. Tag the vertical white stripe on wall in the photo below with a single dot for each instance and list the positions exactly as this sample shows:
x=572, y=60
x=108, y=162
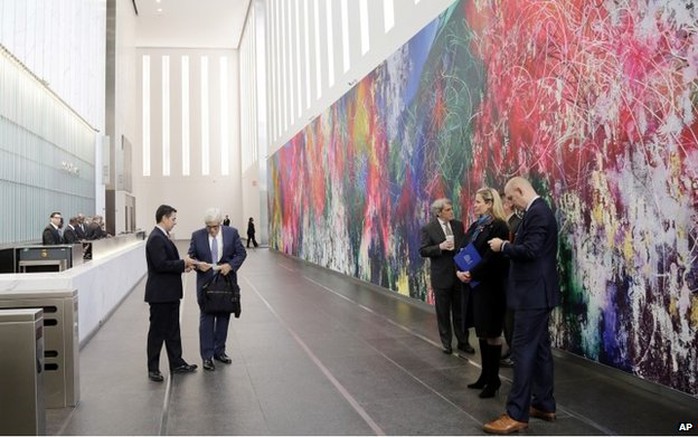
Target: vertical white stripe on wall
x=293, y=59
x=363, y=11
x=277, y=67
x=306, y=23
x=225, y=143
x=283, y=15
x=186, y=147
x=330, y=43
x=297, y=7
x=165, y=115
x=146, y=115
x=318, y=54
x=346, y=57
x=205, y=134
x=389, y=14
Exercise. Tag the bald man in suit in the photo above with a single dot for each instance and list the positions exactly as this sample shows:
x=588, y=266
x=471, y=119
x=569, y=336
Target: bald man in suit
x=533, y=292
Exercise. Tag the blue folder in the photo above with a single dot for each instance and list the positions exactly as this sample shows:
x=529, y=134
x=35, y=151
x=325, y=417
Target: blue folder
x=467, y=258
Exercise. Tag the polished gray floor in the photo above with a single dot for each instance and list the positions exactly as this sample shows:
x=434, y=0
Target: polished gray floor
x=315, y=353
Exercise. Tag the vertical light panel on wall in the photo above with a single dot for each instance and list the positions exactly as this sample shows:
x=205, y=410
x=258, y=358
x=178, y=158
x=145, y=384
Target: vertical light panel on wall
x=388, y=14
x=293, y=59
x=165, y=115
x=274, y=113
x=284, y=57
x=346, y=59
x=186, y=147
x=205, y=134
x=146, y=114
x=225, y=143
x=297, y=7
x=364, y=20
x=318, y=55
x=306, y=22
x=330, y=44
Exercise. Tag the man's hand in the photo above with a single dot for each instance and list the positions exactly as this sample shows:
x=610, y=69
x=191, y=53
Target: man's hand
x=496, y=244
x=225, y=269
x=464, y=276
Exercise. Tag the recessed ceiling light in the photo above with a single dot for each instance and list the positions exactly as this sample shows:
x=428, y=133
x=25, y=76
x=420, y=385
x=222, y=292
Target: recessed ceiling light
x=159, y=9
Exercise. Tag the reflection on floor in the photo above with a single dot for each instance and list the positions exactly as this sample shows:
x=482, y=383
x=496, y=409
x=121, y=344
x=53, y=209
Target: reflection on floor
x=315, y=353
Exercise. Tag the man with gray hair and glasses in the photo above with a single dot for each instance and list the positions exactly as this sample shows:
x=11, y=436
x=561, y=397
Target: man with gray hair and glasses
x=439, y=240
x=218, y=249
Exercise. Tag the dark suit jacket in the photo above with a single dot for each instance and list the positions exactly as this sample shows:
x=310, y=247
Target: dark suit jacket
x=165, y=269
x=69, y=235
x=80, y=232
x=492, y=268
x=51, y=236
x=233, y=253
x=443, y=269
x=533, y=278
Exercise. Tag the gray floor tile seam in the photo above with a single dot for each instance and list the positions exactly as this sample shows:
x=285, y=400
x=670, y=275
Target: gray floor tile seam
x=568, y=411
x=390, y=360
x=339, y=387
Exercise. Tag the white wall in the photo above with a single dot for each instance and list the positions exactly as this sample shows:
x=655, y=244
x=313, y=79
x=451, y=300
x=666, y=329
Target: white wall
x=191, y=194
x=291, y=66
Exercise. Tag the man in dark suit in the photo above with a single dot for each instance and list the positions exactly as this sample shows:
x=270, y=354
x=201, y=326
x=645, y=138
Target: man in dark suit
x=163, y=291
x=218, y=250
x=69, y=235
x=534, y=290
x=439, y=240
x=51, y=235
x=80, y=228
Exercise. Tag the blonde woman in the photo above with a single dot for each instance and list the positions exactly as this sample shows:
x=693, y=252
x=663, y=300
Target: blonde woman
x=487, y=284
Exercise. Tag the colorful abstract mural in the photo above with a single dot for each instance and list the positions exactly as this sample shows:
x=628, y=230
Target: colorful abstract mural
x=596, y=102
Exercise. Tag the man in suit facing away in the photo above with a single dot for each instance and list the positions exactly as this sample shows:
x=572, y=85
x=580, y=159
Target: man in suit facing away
x=51, y=235
x=163, y=291
x=534, y=290
x=70, y=235
x=439, y=240
x=218, y=249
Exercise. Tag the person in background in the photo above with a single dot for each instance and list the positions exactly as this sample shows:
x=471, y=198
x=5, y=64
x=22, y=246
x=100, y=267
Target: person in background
x=533, y=292
x=80, y=228
x=219, y=249
x=70, y=235
x=513, y=220
x=51, y=234
x=226, y=220
x=250, y=233
x=439, y=240
x=163, y=292
x=486, y=282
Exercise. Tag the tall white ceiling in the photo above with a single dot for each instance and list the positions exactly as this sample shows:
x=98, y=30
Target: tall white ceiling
x=190, y=23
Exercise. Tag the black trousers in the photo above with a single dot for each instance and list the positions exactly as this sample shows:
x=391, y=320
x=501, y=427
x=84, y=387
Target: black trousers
x=251, y=239
x=449, y=304
x=164, y=328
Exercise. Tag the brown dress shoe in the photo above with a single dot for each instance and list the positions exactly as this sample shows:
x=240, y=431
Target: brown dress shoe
x=548, y=416
x=504, y=425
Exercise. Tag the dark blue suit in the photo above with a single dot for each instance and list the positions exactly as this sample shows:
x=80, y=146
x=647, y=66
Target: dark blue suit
x=213, y=328
x=163, y=291
x=533, y=292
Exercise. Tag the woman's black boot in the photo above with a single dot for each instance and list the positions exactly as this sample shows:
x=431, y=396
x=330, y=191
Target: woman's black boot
x=482, y=380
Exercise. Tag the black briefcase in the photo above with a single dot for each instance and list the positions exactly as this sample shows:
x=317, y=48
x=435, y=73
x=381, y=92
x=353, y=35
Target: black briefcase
x=221, y=295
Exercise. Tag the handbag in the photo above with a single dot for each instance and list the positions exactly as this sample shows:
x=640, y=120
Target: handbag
x=221, y=295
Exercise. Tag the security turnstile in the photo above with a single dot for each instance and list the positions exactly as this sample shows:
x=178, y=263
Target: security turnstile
x=61, y=341
x=22, y=406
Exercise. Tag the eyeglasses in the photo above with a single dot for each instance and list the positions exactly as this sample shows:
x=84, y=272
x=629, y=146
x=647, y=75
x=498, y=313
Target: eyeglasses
x=213, y=226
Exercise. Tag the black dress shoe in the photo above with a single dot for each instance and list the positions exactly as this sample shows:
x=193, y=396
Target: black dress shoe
x=155, y=375
x=466, y=348
x=208, y=365
x=185, y=368
x=223, y=358
x=447, y=350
